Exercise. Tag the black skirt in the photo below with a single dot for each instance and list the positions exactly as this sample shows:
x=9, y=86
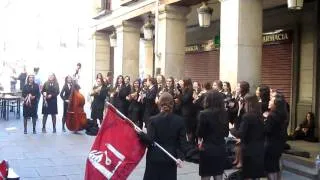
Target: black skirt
x=253, y=166
x=272, y=162
x=212, y=161
x=160, y=171
x=30, y=111
x=51, y=108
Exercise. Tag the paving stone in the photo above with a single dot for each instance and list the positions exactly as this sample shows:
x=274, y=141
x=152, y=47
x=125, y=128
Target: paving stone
x=75, y=177
x=58, y=170
x=25, y=172
x=30, y=163
x=77, y=160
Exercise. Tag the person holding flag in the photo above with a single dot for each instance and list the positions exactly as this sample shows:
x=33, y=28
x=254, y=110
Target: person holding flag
x=120, y=145
x=169, y=131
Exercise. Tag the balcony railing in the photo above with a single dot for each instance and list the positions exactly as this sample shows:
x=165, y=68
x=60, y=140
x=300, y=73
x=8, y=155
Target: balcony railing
x=126, y=2
x=103, y=9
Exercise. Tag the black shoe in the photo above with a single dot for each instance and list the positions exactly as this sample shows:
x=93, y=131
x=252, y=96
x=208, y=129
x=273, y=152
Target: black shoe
x=63, y=129
x=44, y=130
x=54, y=130
x=34, y=131
x=25, y=131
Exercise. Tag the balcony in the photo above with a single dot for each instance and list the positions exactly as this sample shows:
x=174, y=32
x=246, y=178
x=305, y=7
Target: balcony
x=103, y=7
x=127, y=2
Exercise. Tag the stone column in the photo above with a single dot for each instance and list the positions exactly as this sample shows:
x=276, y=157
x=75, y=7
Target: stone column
x=126, y=56
x=148, y=55
x=102, y=53
x=171, y=40
x=241, y=41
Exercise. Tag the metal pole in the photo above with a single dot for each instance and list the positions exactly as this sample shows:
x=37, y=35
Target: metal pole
x=140, y=130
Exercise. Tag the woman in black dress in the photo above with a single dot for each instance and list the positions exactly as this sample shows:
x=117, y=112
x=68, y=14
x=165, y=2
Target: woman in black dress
x=212, y=129
x=135, y=105
x=168, y=130
x=150, y=106
x=31, y=94
x=275, y=131
x=217, y=85
x=188, y=109
x=127, y=87
x=263, y=94
x=305, y=130
x=251, y=136
x=99, y=93
x=170, y=87
x=65, y=94
x=50, y=91
x=119, y=95
x=236, y=113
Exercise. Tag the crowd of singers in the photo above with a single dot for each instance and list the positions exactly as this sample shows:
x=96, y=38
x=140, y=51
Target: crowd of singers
x=258, y=121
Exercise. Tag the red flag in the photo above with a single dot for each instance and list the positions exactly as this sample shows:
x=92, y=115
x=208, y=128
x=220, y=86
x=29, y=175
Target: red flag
x=116, y=150
x=3, y=170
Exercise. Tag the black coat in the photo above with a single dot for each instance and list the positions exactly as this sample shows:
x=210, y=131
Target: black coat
x=22, y=78
x=188, y=110
x=135, y=111
x=212, y=128
x=150, y=107
x=310, y=126
x=275, y=130
x=252, y=144
x=97, y=105
x=120, y=101
x=31, y=111
x=168, y=130
x=65, y=94
x=53, y=90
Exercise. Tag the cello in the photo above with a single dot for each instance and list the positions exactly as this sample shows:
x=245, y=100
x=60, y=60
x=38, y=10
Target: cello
x=76, y=118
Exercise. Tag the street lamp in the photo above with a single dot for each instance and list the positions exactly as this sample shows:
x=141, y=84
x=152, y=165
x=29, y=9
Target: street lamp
x=204, y=15
x=113, y=39
x=148, y=28
x=295, y=4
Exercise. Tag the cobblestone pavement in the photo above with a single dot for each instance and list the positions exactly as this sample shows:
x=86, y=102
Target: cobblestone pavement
x=60, y=156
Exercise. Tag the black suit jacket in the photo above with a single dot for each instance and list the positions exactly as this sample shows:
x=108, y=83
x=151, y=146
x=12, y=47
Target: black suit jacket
x=65, y=92
x=275, y=131
x=251, y=134
x=169, y=131
x=213, y=130
x=150, y=104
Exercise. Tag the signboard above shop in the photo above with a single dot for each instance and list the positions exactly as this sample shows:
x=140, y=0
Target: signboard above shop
x=269, y=38
x=203, y=47
x=278, y=37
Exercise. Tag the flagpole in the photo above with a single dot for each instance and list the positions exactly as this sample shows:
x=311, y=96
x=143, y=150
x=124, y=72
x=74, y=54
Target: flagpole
x=140, y=130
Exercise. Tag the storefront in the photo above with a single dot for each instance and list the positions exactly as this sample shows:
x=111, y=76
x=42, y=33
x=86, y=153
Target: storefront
x=277, y=61
x=202, y=62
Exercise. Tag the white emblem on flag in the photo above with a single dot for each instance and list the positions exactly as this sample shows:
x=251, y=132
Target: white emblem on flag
x=96, y=159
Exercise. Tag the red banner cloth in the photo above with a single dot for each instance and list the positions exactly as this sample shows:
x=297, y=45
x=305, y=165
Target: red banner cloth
x=116, y=150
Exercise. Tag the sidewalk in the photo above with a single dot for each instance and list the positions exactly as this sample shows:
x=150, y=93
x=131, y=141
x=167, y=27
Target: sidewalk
x=61, y=156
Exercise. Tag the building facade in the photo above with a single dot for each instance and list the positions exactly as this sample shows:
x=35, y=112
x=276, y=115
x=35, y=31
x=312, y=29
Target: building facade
x=262, y=42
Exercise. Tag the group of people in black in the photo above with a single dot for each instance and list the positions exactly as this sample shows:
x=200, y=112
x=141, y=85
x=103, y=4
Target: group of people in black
x=208, y=112
x=32, y=91
x=181, y=115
